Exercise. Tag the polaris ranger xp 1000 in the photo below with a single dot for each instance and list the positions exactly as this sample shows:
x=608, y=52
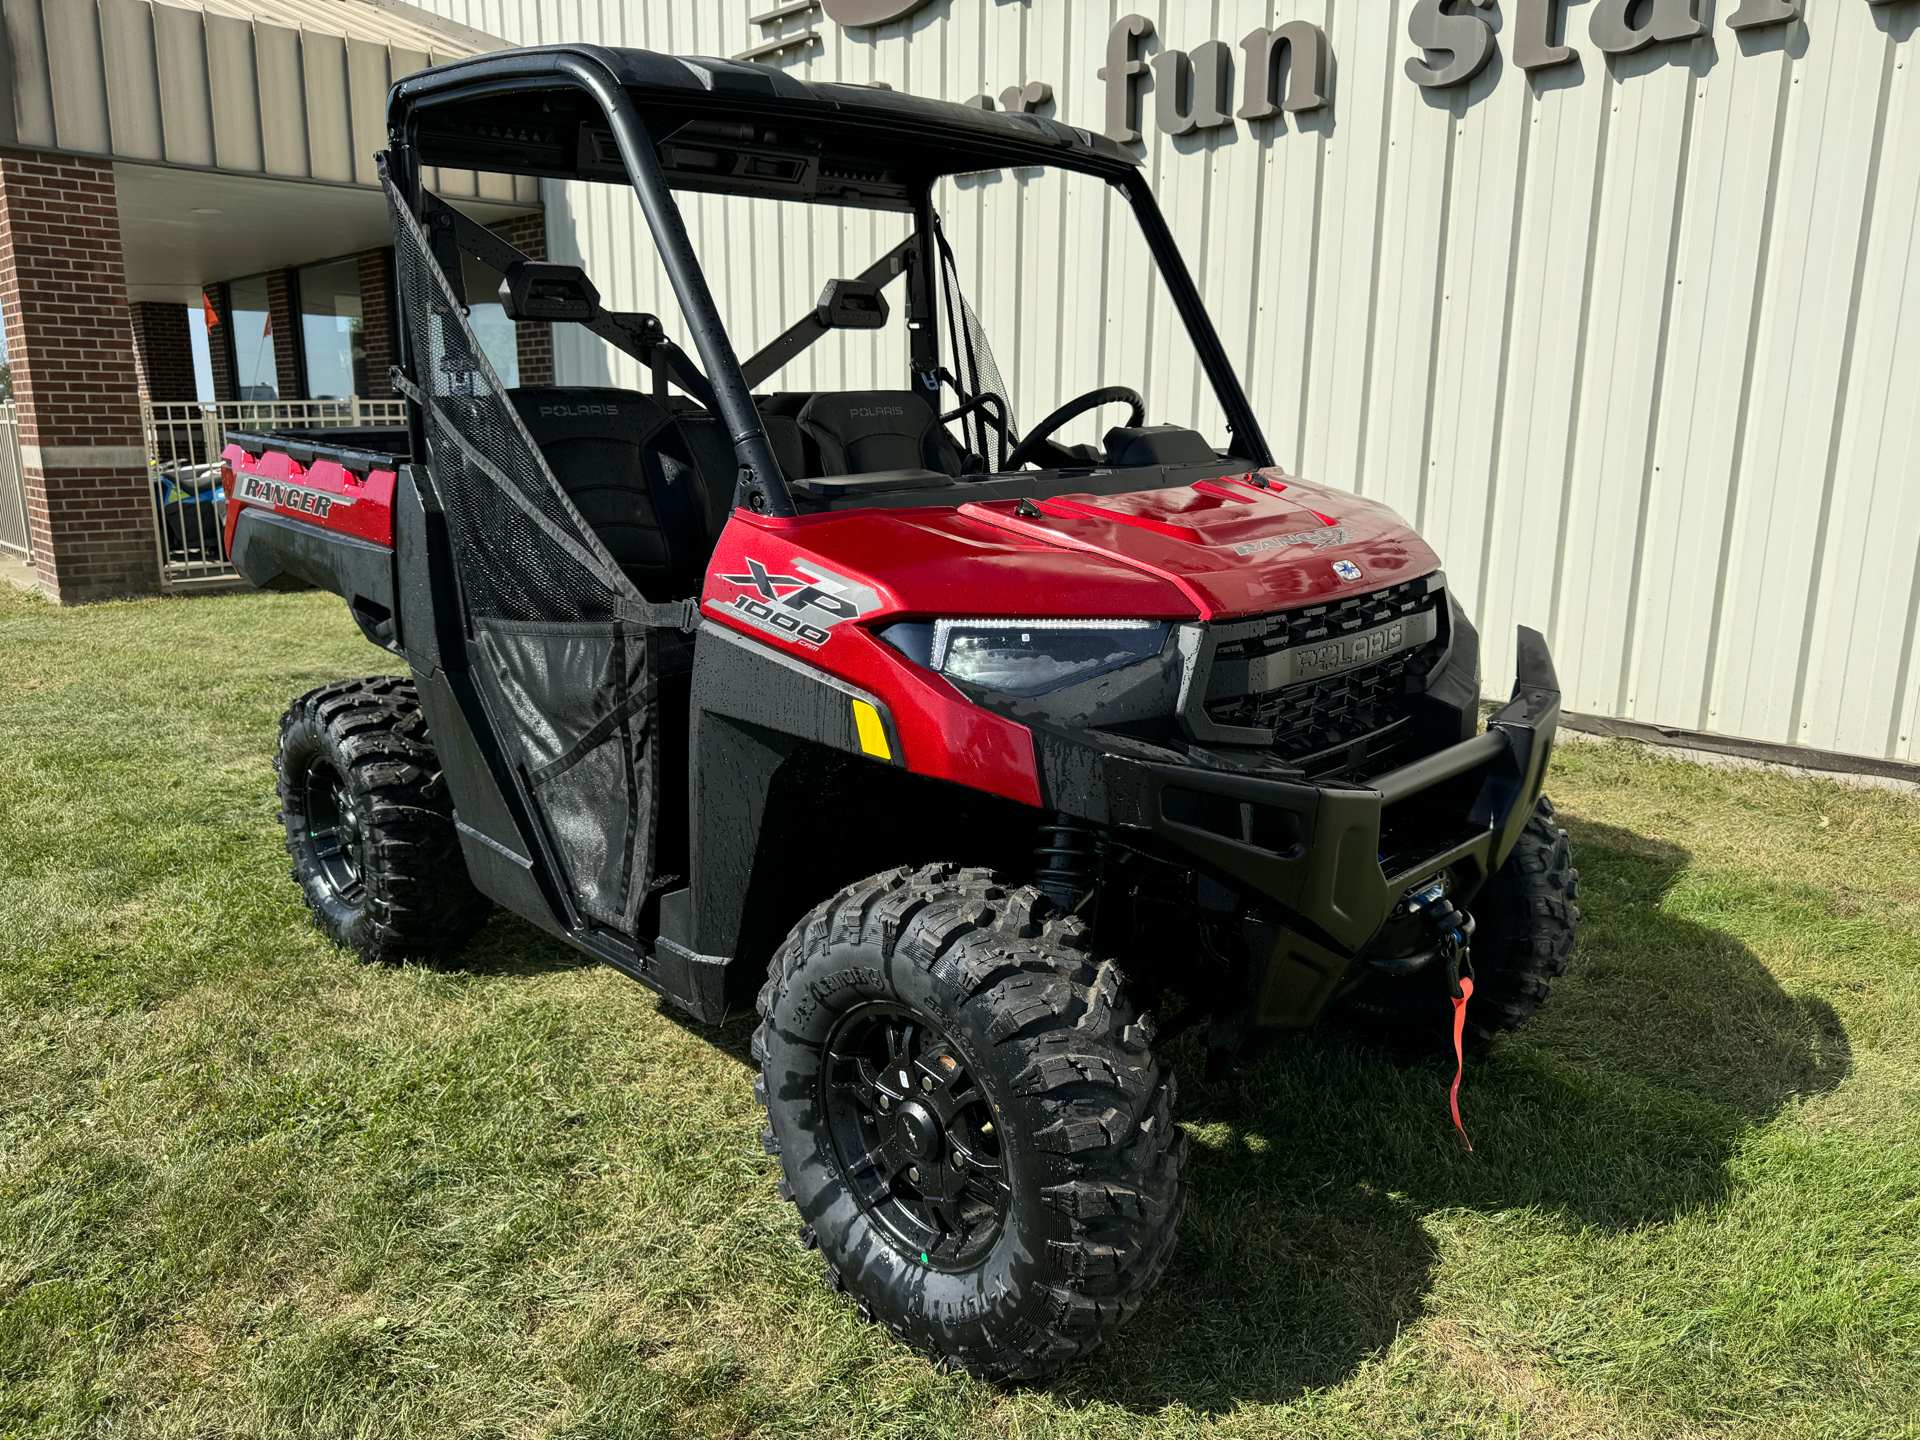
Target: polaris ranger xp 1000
x=962, y=751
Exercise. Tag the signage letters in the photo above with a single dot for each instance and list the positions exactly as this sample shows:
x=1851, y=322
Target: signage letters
x=1286, y=68
x=1120, y=71
x=1468, y=39
x=1305, y=49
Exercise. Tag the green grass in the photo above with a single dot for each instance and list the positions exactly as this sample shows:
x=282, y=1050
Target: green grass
x=248, y=1186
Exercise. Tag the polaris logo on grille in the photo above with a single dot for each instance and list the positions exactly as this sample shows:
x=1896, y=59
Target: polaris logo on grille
x=258, y=490
x=1256, y=675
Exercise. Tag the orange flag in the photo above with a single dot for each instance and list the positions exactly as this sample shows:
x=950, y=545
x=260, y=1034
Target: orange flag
x=213, y=316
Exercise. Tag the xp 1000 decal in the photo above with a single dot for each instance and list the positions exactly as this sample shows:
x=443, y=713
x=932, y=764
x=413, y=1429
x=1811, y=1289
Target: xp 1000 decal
x=797, y=601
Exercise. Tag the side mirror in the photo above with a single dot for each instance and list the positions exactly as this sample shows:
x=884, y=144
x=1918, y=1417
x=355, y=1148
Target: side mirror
x=852, y=305
x=537, y=290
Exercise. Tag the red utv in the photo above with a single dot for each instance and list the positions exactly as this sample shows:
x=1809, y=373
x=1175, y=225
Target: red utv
x=960, y=750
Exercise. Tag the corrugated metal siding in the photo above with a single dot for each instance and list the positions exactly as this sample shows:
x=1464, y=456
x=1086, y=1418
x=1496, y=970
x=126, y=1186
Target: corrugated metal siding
x=1633, y=340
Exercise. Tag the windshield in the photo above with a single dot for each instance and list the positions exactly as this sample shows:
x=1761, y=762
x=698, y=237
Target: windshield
x=1014, y=344
x=1054, y=331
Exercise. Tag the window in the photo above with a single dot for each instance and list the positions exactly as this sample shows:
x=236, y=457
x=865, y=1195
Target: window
x=331, y=336
x=488, y=317
x=255, y=376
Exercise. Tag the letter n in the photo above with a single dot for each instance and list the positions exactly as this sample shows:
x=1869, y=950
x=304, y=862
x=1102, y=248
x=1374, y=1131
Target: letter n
x=1305, y=46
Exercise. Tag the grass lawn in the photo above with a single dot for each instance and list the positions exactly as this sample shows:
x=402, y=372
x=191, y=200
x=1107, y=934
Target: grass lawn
x=249, y=1186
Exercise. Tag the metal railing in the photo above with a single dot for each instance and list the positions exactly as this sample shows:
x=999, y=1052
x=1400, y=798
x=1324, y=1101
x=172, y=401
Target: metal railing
x=184, y=441
x=15, y=534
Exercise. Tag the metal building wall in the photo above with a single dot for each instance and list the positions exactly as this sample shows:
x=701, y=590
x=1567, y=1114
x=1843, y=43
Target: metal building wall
x=1633, y=340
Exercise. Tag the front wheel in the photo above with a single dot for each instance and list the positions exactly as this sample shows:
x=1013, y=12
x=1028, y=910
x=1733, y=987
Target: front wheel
x=969, y=1119
x=370, y=826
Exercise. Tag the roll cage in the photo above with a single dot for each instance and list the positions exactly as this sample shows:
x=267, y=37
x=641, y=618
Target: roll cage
x=661, y=123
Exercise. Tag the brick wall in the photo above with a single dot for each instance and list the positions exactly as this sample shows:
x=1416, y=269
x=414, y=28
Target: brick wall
x=63, y=295
x=220, y=345
x=162, y=350
x=377, y=319
x=286, y=335
x=533, y=339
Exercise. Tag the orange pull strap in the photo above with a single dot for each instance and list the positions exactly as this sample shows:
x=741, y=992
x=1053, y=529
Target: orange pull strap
x=1460, y=1063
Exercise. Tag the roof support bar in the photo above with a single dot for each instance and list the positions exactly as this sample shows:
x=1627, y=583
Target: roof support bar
x=1249, y=443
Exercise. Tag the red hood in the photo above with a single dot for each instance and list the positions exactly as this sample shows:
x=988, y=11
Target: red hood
x=1238, y=545
x=1219, y=547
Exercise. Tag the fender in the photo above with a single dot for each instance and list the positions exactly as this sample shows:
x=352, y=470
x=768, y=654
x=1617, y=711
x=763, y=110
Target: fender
x=803, y=788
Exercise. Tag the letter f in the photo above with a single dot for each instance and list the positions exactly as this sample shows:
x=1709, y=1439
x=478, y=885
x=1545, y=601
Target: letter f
x=1123, y=104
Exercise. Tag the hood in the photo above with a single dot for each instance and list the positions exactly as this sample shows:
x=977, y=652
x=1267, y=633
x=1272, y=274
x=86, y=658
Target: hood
x=1237, y=545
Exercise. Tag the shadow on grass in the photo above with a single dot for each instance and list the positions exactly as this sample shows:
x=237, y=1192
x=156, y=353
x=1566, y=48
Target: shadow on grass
x=510, y=946
x=1302, y=1251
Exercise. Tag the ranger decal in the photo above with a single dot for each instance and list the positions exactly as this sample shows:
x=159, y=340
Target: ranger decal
x=258, y=490
x=1319, y=539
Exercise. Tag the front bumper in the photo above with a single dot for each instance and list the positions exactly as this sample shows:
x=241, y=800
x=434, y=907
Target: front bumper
x=1331, y=860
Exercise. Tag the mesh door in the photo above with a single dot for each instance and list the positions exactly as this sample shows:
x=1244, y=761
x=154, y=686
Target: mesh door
x=566, y=658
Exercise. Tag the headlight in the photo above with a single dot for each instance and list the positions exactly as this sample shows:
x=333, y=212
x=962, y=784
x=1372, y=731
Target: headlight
x=1032, y=657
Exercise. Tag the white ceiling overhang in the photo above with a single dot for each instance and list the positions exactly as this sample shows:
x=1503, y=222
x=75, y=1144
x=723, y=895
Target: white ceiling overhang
x=292, y=90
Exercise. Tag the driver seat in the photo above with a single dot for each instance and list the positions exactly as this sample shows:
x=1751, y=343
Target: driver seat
x=862, y=432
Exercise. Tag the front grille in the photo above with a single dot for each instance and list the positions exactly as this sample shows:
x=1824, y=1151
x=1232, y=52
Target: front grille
x=1348, y=721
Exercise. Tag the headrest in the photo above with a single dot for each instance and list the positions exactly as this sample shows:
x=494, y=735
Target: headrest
x=861, y=431
x=553, y=413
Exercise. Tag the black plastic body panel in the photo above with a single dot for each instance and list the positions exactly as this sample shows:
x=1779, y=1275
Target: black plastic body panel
x=499, y=857
x=754, y=707
x=277, y=553
x=423, y=585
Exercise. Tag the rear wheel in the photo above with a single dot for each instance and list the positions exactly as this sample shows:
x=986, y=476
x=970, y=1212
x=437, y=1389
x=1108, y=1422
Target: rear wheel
x=969, y=1119
x=370, y=826
x=1525, y=919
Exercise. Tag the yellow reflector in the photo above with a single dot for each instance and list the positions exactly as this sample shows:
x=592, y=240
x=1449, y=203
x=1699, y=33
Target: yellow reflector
x=873, y=735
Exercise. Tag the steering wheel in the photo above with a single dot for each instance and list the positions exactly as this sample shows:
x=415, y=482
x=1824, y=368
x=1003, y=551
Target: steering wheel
x=1038, y=440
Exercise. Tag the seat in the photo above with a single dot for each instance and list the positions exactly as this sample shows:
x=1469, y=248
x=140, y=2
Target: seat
x=625, y=462
x=713, y=452
x=860, y=432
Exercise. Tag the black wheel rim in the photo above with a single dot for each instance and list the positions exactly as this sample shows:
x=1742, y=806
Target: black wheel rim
x=918, y=1142
x=334, y=833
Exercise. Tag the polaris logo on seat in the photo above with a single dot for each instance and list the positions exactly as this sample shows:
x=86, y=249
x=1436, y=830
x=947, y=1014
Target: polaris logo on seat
x=866, y=412
x=566, y=412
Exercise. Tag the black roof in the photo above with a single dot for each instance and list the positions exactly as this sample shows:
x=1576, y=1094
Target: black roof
x=722, y=125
